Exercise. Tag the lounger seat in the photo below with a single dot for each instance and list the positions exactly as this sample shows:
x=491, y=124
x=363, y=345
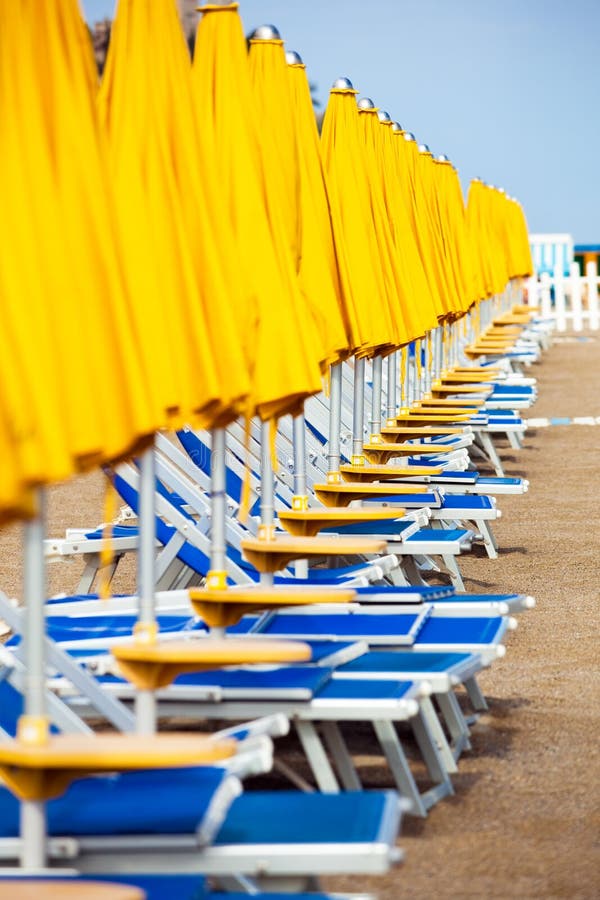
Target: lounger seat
x=440, y=668
x=190, y=800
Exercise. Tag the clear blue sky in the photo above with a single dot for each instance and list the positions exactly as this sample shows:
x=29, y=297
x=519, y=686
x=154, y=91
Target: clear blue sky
x=508, y=89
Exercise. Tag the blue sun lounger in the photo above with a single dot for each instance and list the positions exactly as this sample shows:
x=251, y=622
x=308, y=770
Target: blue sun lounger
x=197, y=820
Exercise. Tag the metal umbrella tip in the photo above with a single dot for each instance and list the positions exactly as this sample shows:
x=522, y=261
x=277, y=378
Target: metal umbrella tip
x=409, y=136
x=342, y=84
x=366, y=103
x=293, y=59
x=265, y=33
x=384, y=117
x=397, y=127
x=424, y=148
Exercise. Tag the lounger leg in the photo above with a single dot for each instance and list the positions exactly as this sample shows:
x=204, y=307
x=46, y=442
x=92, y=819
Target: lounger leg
x=398, y=577
x=492, y=453
x=455, y=722
x=433, y=760
x=414, y=576
x=339, y=751
x=396, y=760
x=514, y=440
x=92, y=564
x=454, y=571
x=477, y=699
x=167, y=555
x=437, y=733
x=317, y=758
x=489, y=541
x=293, y=777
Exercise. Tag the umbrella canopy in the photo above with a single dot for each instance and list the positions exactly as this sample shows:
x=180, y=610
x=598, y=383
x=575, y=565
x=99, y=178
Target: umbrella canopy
x=401, y=323
x=278, y=340
x=318, y=264
x=297, y=187
x=452, y=215
x=69, y=399
x=414, y=292
x=439, y=258
x=178, y=260
x=484, y=217
x=411, y=188
x=347, y=176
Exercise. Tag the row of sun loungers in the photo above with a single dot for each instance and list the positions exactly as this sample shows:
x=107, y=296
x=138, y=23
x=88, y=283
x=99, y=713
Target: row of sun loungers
x=402, y=656
x=205, y=262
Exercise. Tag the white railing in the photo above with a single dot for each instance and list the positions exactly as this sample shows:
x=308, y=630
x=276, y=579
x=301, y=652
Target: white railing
x=571, y=300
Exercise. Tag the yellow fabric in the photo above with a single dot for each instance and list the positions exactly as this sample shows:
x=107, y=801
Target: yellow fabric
x=438, y=200
x=414, y=294
x=281, y=149
x=318, y=265
x=498, y=236
x=356, y=243
x=172, y=228
x=276, y=336
x=69, y=399
x=400, y=324
x=430, y=223
x=411, y=191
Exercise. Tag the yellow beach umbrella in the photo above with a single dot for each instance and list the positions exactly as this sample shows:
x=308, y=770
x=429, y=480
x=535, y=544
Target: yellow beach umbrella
x=68, y=406
x=363, y=280
x=441, y=267
x=399, y=329
x=318, y=268
x=428, y=224
x=276, y=340
x=519, y=235
x=452, y=213
x=414, y=292
x=482, y=218
x=411, y=188
x=293, y=188
x=476, y=241
x=178, y=260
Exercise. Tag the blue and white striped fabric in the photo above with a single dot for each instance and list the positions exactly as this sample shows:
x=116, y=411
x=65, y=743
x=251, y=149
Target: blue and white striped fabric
x=552, y=253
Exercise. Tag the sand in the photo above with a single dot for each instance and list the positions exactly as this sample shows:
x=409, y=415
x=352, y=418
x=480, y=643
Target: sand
x=524, y=820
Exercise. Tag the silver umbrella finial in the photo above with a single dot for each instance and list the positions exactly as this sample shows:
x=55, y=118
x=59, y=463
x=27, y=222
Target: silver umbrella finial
x=265, y=33
x=293, y=59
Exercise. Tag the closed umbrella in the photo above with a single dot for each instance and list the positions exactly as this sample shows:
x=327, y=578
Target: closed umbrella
x=318, y=267
x=277, y=339
x=169, y=221
x=53, y=179
x=414, y=292
x=358, y=254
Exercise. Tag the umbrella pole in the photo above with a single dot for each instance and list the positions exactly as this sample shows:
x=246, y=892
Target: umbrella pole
x=145, y=628
x=300, y=498
x=411, y=374
x=217, y=577
x=428, y=363
x=392, y=378
x=267, y=503
x=439, y=350
x=33, y=725
x=405, y=377
x=358, y=413
x=377, y=393
x=335, y=419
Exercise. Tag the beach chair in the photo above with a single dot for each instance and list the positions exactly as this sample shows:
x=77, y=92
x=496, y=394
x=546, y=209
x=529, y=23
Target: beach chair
x=321, y=697
x=197, y=820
